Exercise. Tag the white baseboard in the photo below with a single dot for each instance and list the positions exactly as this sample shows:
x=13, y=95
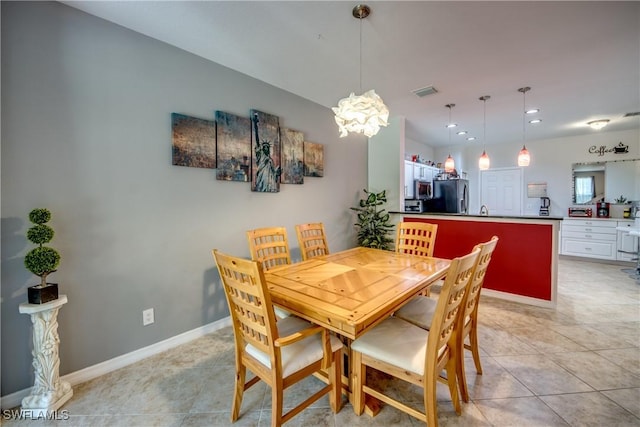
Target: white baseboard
x=518, y=298
x=15, y=399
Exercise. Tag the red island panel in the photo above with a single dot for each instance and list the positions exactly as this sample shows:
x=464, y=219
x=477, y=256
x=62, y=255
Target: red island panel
x=521, y=263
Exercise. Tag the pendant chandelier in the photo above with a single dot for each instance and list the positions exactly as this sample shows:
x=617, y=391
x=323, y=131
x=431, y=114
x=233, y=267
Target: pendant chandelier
x=523, y=157
x=449, y=164
x=484, y=162
x=364, y=113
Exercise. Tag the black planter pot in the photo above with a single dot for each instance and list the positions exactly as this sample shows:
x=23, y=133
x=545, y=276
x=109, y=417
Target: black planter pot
x=42, y=294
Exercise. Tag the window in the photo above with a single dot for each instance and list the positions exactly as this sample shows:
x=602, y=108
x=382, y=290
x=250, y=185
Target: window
x=585, y=189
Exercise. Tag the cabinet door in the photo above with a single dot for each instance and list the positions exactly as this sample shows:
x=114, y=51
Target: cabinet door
x=408, y=180
x=627, y=247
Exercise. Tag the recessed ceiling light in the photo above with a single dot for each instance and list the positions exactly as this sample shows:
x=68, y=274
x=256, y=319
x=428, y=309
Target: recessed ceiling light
x=533, y=111
x=462, y=132
x=535, y=121
x=598, y=124
x=471, y=138
x=452, y=125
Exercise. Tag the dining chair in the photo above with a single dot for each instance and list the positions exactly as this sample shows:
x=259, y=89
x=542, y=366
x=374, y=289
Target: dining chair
x=270, y=247
x=279, y=352
x=413, y=354
x=416, y=238
x=312, y=240
x=420, y=311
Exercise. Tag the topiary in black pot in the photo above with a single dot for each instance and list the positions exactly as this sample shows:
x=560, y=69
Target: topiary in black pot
x=42, y=260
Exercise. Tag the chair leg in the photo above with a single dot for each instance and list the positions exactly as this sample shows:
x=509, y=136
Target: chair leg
x=359, y=371
x=277, y=399
x=241, y=373
x=430, y=404
x=453, y=386
x=461, y=374
x=335, y=378
x=473, y=340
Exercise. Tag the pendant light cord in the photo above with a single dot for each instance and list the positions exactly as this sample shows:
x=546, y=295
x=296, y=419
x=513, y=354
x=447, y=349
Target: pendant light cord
x=361, y=54
x=524, y=107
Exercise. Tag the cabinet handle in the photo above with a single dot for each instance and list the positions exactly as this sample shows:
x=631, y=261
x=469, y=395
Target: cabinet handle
x=587, y=235
x=587, y=249
x=588, y=229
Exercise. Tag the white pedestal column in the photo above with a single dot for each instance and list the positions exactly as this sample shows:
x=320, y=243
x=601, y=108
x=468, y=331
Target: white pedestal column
x=48, y=392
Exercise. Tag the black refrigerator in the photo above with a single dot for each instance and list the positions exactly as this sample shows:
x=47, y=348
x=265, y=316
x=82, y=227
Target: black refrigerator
x=451, y=196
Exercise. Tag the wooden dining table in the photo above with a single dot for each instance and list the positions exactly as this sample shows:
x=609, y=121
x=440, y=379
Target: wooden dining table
x=351, y=291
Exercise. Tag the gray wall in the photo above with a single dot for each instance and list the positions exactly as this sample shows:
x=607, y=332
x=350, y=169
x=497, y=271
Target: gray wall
x=86, y=133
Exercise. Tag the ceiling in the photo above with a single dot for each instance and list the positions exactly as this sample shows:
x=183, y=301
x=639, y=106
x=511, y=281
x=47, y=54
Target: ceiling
x=581, y=59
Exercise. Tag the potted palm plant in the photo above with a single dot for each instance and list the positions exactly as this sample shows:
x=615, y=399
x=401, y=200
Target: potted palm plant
x=41, y=260
x=373, y=221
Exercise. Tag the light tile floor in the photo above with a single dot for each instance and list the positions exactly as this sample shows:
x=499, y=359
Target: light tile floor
x=578, y=365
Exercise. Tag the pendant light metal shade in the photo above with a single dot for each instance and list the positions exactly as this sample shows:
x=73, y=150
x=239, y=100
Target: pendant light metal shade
x=484, y=162
x=449, y=164
x=524, y=158
x=364, y=113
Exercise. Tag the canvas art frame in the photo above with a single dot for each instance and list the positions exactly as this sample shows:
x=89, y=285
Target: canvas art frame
x=233, y=152
x=265, y=162
x=193, y=141
x=313, y=159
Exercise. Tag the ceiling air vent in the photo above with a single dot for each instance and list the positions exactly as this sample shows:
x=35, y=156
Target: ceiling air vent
x=429, y=90
x=637, y=113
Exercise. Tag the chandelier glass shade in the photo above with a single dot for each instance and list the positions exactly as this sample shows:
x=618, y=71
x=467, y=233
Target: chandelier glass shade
x=364, y=113
x=524, y=158
x=484, y=162
x=449, y=165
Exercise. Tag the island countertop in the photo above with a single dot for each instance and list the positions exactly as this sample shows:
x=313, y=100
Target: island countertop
x=489, y=217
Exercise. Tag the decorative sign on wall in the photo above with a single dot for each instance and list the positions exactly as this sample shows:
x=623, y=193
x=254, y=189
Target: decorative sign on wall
x=245, y=149
x=193, y=141
x=602, y=150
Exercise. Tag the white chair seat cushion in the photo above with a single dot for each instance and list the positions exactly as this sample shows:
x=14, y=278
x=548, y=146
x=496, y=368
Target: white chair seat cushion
x=419, y=311
x=396, y=342
x=280, y=312
x=297, y=355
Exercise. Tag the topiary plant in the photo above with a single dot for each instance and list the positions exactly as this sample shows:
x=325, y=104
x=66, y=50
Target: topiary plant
x=42, y=260
x=373, y=223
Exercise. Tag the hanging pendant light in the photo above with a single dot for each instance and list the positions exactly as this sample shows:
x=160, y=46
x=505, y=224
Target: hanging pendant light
x=364, y=113
x=524, y=158
x=449, y=164
x=484, y=162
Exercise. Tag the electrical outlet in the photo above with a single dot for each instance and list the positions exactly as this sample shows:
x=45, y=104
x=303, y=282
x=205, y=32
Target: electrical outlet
x=147, y=317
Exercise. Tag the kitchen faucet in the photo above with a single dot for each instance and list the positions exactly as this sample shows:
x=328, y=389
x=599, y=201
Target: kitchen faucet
x=484, y=210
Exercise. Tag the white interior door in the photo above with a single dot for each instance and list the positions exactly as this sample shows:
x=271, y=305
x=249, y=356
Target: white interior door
x=501, y=191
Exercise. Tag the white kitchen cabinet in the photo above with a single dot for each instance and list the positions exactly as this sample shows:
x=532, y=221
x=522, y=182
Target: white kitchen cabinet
x=408, y=180
x=590, y=238
x=627, y=244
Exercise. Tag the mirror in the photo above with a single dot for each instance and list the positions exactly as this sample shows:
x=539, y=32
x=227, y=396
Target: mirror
x=605, y=181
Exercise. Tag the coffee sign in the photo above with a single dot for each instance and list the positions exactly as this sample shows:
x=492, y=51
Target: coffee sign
x=602, y=150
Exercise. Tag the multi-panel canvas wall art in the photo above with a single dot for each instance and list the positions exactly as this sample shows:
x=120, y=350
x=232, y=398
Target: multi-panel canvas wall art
x=265, y=140
x=234, y=147
x=313, y=159
x=292, y=156
x=193, y=141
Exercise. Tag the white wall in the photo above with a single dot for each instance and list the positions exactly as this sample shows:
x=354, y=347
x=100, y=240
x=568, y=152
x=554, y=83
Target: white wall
x=86, y=132
x=551, y=162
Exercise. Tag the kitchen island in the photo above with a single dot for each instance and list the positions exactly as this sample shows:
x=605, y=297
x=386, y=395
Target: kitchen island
x=524, y=266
